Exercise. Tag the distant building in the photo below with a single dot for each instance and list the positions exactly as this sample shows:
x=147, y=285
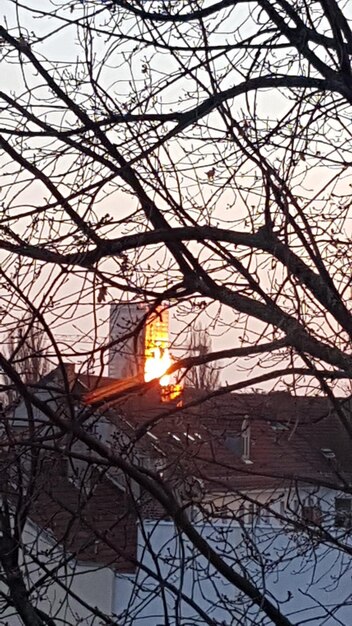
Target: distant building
x=252, y=472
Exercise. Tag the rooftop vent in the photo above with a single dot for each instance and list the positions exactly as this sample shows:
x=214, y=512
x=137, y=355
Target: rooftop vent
x=278, y=426
x=246, y=439
x=328, y=453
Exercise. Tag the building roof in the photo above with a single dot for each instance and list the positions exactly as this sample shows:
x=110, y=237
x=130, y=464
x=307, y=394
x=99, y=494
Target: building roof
x=290, y=437
x=92, y=520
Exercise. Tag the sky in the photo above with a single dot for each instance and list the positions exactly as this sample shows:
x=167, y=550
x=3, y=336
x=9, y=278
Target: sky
x=214, y=200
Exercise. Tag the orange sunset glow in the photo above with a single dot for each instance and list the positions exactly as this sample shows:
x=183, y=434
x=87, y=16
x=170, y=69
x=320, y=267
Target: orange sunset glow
x=155, y=361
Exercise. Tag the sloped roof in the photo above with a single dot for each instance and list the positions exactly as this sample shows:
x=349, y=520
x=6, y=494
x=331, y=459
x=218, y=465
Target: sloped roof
x=197, y=436
x=291, y=437
x=92, y=522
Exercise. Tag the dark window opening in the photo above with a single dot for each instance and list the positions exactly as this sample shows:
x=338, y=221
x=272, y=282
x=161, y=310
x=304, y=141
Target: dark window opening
x=343, y=512
x=312, y=514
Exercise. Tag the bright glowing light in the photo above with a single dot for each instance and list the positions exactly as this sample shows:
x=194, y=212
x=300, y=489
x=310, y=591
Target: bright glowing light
x=156, y=363
x=157, y=356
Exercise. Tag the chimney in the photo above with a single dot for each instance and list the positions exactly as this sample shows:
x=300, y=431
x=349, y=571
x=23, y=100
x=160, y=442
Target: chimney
x=58, y=374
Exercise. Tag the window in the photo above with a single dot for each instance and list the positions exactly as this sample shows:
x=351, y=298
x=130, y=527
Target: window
x=311, y=511
x=328, y=453
x=241, y=514
x=312, y=514
x=251, y=514
x=260, y=516
x=265, y=515
x=282, y=507
x=343, y=512
x=279, y=426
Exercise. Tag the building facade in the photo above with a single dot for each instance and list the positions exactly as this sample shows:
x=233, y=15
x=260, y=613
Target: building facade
x=264, y=479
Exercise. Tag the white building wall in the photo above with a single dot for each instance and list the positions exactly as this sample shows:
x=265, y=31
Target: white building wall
x=91, y=584
x=306, y=579
x=139, y=600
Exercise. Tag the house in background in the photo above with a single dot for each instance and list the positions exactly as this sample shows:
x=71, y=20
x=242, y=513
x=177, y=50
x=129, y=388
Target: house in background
x=252, y=472
x=265, y=479
x=255, y=472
